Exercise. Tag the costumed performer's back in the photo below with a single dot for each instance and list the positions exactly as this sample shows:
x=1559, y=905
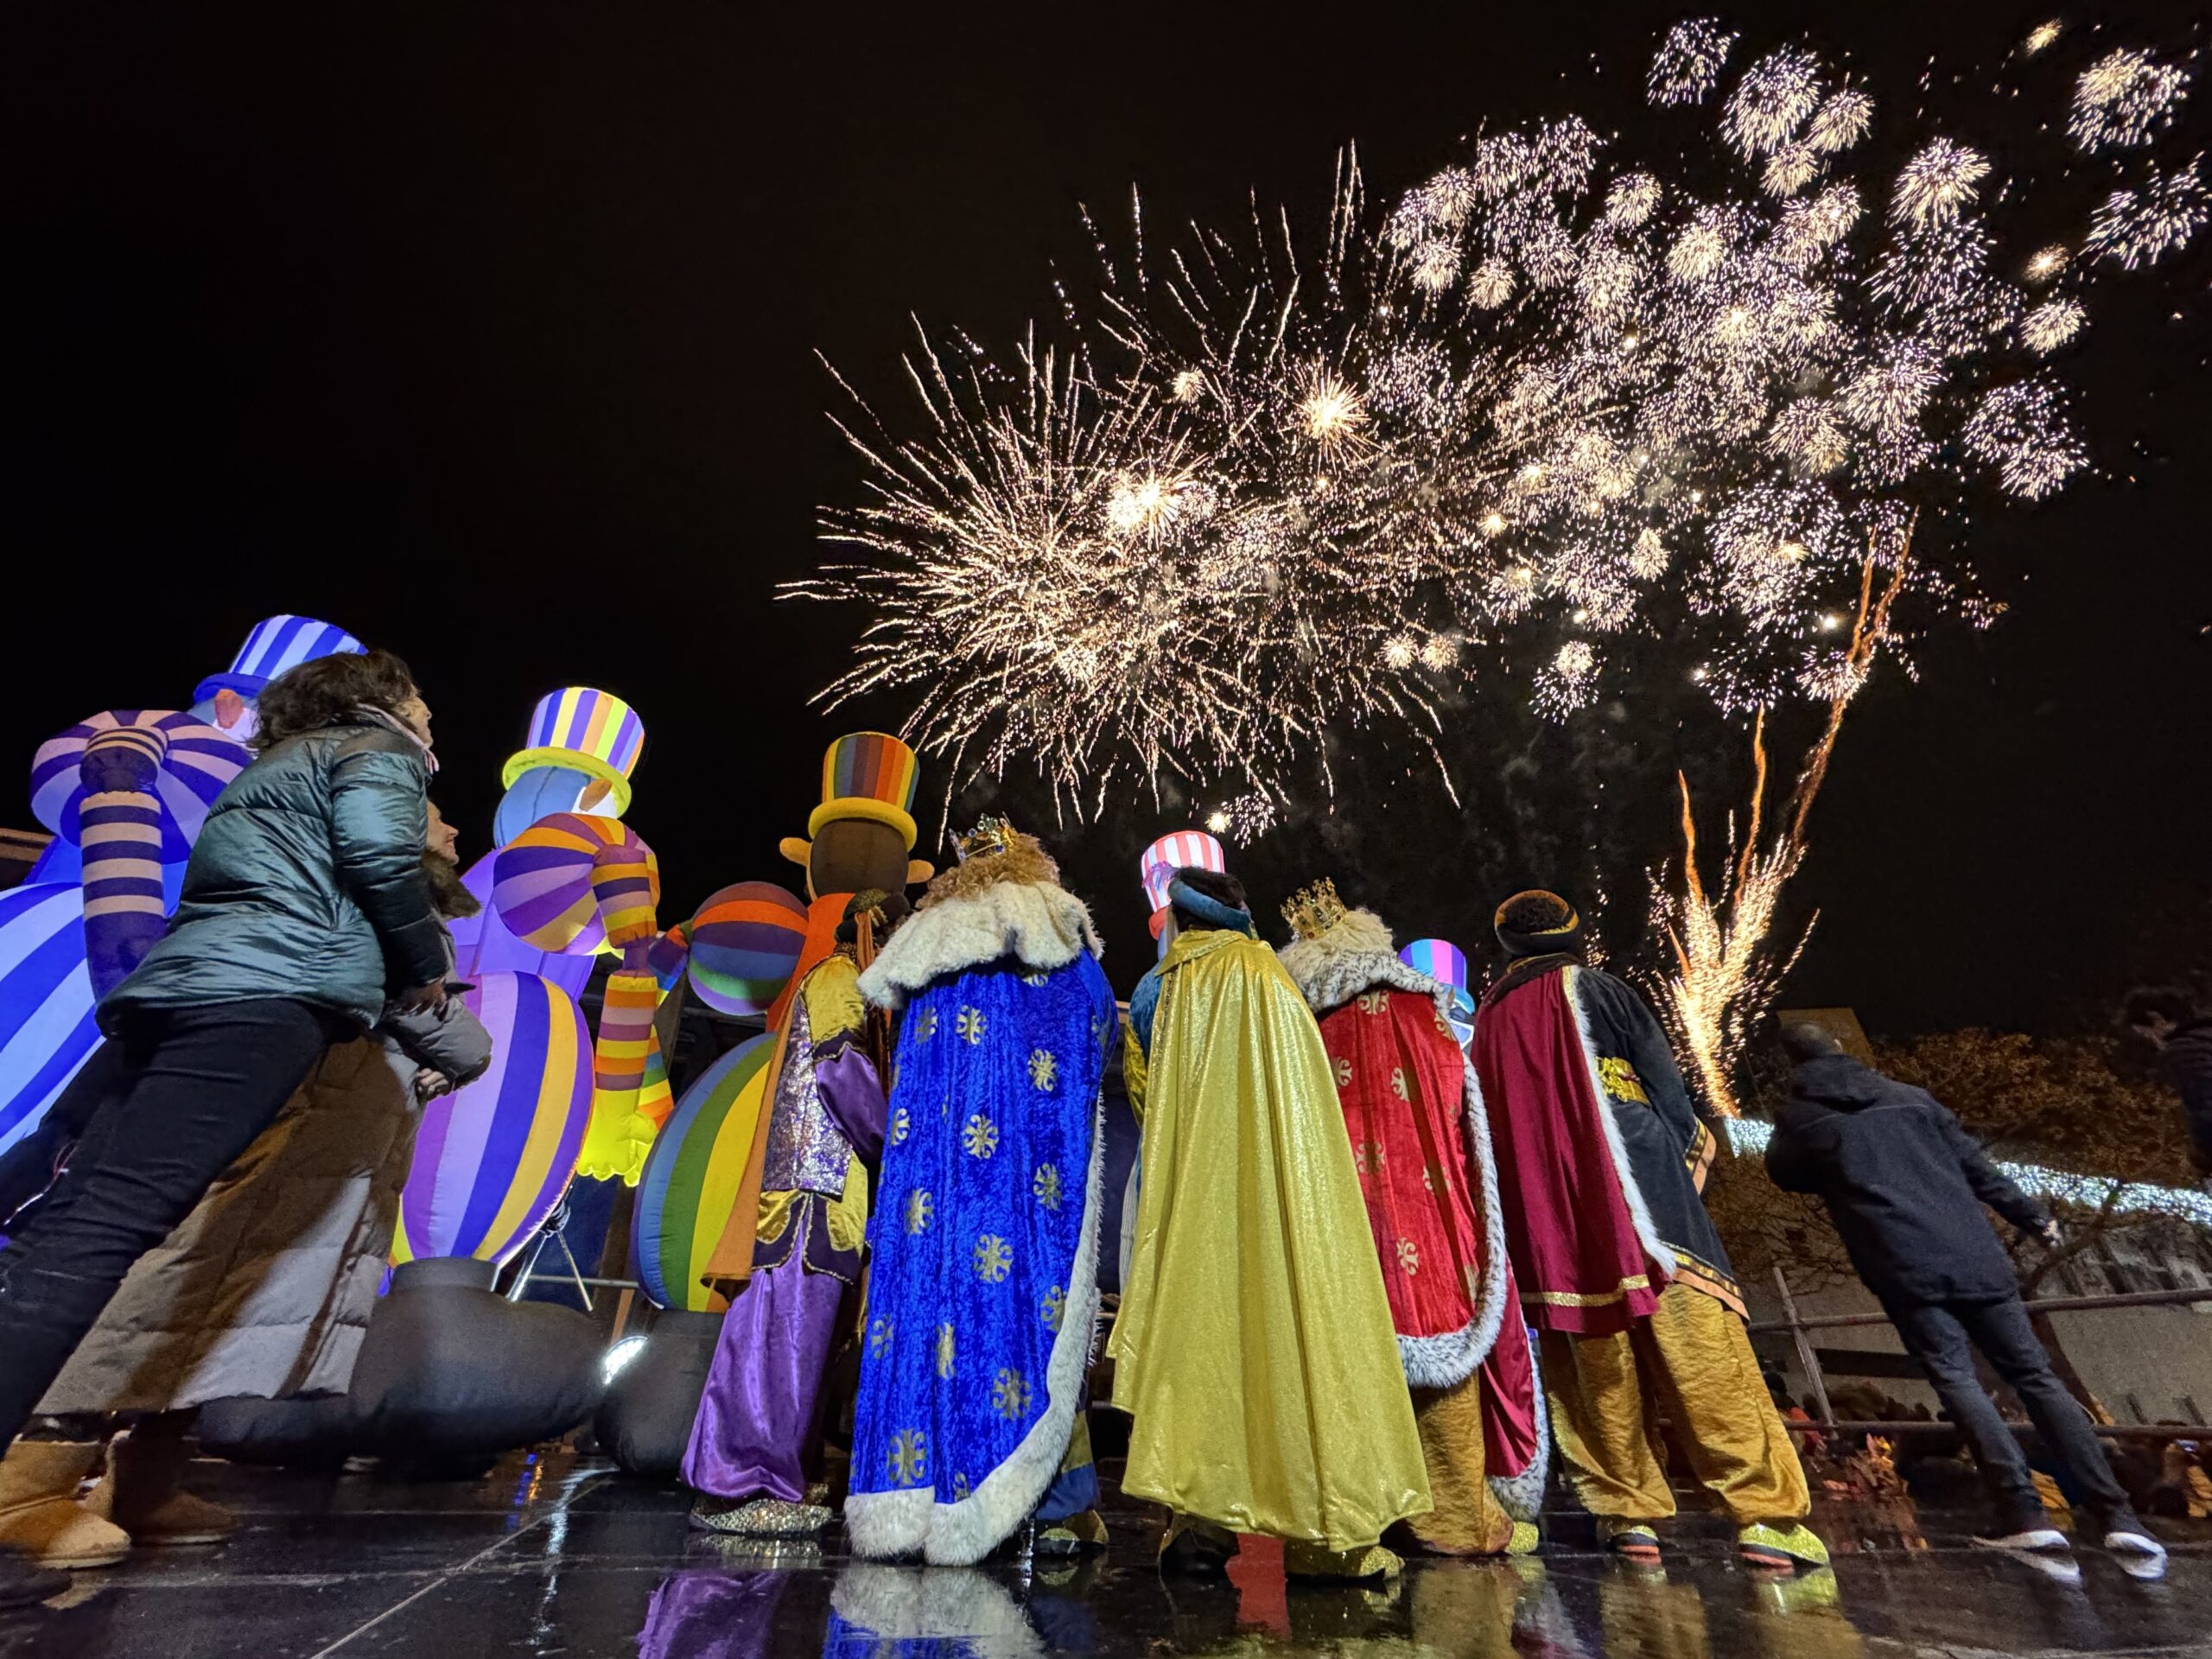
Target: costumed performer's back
x=1255, y=1348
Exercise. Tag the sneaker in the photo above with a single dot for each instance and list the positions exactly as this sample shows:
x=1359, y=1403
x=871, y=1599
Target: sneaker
x=1634, y=1541
x=2022, y=1533
x=1783, y=1548
x=2139, y=1554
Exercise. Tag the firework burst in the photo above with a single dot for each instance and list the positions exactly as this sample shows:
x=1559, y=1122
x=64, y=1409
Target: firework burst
x=1558, y=396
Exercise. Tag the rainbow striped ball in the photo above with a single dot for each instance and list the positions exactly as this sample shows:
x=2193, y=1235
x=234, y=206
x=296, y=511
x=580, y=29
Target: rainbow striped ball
x=493, y=1160
x=693, y=1173
x=746, y=941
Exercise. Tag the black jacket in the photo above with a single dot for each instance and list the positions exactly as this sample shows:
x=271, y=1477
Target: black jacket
x=1903, y=1182
x=2189, y=1063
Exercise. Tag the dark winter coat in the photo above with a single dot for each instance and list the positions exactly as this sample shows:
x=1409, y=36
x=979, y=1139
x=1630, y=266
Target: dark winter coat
x=1903, y=1184
x=2187, y=1055
x=305, y=882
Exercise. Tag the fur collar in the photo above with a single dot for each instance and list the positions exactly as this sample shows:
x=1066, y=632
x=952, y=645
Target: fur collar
x=1352, y=956
x=1040, y=926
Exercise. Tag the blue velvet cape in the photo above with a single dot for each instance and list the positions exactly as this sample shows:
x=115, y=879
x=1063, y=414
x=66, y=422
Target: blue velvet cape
x=983, y=1286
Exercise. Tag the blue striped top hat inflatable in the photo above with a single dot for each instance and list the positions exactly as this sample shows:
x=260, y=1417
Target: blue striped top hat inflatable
x=276, y=644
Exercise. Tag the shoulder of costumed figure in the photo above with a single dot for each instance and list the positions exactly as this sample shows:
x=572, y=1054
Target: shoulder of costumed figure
x=1007, y=905
x=1354, y=955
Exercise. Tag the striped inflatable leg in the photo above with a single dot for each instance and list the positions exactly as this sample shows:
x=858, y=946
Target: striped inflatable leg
x=120, y=833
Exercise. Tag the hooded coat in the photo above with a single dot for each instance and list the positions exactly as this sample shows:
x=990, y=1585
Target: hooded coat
x=1903, y=1184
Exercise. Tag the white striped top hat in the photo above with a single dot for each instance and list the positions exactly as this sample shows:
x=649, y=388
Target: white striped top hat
x=1168, y=855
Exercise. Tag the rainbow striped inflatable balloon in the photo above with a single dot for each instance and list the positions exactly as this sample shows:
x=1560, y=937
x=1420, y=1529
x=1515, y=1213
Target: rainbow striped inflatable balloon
x=692, y=1175
x=493, y=1160
x=746, y=941
x=1442, y=960
x=197, y=762
x=46, y=1001
x=542, y=880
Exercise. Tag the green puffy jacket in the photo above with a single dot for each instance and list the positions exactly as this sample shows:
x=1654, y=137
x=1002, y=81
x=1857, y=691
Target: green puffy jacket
x=305, y=882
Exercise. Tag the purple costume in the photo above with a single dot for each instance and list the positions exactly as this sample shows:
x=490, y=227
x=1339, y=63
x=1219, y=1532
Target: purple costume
x=756, y=1426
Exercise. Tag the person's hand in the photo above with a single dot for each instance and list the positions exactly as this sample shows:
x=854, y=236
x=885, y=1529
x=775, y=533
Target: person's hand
x=420, y=997
x=2049, y=1233
x=429, y=1084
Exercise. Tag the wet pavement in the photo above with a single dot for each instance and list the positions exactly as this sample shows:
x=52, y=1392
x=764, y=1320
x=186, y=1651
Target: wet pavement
x=553, y=1555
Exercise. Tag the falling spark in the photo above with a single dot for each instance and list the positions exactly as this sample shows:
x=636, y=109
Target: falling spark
x=2141, y=226
x=1772, y=101
x=1331, y=414
x=1936, y=184
x=1844, y=119
x=2051, y=325
x=2125, y=98
x=2042, y=36
x=2046, y=263
x=1687, y=66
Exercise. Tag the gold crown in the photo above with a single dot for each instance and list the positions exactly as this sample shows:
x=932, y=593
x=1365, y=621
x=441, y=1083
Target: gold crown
x=1313, y=911
x=992, y=834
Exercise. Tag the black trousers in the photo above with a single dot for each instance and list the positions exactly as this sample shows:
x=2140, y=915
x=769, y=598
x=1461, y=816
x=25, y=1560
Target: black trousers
x=184, y=1092
x=1937, y=1334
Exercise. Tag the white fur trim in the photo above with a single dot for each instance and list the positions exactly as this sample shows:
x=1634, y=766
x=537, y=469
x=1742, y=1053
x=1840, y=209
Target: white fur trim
x=1521, y=1494
x=883, y=1525
x=1646, y=1231
x=904, y=1604
x=1330, y=977
x=1040, y=926
x=1358, y=935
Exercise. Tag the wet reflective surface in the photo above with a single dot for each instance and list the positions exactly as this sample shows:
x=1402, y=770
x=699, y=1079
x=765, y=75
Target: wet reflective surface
x=556, y=1556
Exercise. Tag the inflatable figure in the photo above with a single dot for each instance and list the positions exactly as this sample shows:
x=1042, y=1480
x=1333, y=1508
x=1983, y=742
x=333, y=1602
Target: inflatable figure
x=795, y=1230
x=124, y=793
x=1446, y=965
x=691, y=1179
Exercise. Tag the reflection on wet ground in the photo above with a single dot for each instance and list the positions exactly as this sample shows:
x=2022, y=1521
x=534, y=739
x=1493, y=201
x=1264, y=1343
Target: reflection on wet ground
x=553, y=1555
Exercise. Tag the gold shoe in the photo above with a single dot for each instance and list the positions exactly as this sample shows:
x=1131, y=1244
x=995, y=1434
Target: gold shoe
x=1304, y=1560
x=759, y=1518
x=1784, y=1548
x=1524, y=1539
x=1072, y=1535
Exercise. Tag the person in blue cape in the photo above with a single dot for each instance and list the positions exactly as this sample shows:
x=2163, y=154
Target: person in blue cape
x=983, y=1289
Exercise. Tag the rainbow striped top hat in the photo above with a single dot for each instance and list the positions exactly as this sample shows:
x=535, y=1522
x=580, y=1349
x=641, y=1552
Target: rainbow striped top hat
x=276, y=644
x=1168, y=855
x=868, y=775
x=584, y=730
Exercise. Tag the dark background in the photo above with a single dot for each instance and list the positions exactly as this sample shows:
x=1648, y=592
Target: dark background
x=487, y=332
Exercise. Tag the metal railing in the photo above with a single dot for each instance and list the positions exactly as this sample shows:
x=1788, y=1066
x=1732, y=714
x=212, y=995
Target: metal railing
x=1828, y=1422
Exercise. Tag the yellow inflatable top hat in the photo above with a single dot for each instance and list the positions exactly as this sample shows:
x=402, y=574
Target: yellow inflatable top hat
x=585, y=730
x=868, y=777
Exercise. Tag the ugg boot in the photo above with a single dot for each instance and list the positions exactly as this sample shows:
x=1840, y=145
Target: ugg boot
x=40, y=1515
x=143, y=1492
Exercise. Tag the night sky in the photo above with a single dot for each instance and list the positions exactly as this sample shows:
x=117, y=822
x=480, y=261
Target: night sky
x=488, y=332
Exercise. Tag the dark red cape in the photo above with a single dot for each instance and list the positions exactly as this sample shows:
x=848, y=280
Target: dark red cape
x=1580, y=1264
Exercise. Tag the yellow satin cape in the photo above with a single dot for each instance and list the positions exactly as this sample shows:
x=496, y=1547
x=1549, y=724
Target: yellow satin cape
x=1255, y=1348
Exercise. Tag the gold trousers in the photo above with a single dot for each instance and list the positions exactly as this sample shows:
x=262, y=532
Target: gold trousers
x=1467, y=1519
x=1692, y=1361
